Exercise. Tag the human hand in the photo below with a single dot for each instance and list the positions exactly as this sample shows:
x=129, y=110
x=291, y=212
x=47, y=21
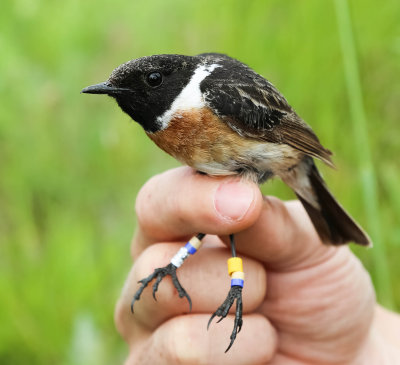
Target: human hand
x=304, y=302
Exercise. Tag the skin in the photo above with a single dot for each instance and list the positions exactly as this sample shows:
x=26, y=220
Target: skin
x=304, y=302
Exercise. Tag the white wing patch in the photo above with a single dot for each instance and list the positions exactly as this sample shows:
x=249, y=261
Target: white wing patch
x=190, y=97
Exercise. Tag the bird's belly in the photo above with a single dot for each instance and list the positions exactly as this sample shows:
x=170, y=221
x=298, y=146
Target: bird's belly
x=201, y=140
x=257, y=161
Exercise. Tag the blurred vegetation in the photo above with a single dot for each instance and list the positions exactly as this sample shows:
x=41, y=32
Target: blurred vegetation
x=71, y=165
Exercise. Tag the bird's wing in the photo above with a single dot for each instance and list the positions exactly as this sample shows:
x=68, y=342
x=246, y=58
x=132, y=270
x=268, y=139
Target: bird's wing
x=254, y=108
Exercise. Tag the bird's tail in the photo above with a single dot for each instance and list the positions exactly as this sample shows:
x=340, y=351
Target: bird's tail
x=333, y=224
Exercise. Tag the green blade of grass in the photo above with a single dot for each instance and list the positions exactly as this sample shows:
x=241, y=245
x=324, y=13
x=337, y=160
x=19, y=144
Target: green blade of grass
x=361, y=141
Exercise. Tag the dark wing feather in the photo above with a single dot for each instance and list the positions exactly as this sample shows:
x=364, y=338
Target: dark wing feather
x=296, y=133
x=254, y=108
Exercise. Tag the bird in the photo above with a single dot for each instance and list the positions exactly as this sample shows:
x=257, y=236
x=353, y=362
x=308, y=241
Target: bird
x=220, y=117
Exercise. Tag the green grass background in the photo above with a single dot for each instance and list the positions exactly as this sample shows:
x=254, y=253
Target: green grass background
x=71, y=165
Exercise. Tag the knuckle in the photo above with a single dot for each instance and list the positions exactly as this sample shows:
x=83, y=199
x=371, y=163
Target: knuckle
x=135, y=247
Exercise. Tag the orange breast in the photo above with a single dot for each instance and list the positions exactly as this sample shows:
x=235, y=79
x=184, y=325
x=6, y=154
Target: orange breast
x=197, y=136
x=201, y=140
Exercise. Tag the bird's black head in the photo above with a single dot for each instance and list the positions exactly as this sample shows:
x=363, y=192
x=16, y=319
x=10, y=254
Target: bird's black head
x=145, y=88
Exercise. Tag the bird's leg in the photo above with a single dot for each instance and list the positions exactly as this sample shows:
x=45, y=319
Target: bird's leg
x=235, y=269
x=189, y=249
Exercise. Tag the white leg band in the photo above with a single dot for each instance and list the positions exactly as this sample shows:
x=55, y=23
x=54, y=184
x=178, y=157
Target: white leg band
x=179, y=257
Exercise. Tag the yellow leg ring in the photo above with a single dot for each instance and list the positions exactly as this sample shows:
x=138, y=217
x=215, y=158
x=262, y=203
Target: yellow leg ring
x=235, y=264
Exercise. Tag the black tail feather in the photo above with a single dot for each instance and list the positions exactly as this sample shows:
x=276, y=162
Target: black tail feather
x=333, y=224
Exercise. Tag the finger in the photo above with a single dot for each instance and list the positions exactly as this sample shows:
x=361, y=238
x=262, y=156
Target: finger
x=130, y=330
x=203, y=276
x=334, y=308
x=184, y=340
x=283, y=237
x=181, y=202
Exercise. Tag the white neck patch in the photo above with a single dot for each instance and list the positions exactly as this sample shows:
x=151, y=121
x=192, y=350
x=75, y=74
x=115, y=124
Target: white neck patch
x=190, y=97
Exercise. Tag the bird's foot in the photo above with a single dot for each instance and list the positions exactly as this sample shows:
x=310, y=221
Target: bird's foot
x=159, y=274
x=235, y=294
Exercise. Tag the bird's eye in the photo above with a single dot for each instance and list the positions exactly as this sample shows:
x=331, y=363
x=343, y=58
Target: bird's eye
x=154, y=79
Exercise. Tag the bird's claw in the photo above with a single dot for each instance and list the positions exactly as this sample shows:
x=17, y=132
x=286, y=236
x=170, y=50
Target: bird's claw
x=159, y=274
x=235, y=294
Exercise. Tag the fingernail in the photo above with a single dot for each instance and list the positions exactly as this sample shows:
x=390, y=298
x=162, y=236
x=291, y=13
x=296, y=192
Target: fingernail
x=233, y=199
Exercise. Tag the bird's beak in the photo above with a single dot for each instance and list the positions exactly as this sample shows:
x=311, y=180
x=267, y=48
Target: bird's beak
x=104, y=88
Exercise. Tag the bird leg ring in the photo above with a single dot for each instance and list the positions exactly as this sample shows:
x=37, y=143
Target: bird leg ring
x=189, y=249
x=235, y=270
